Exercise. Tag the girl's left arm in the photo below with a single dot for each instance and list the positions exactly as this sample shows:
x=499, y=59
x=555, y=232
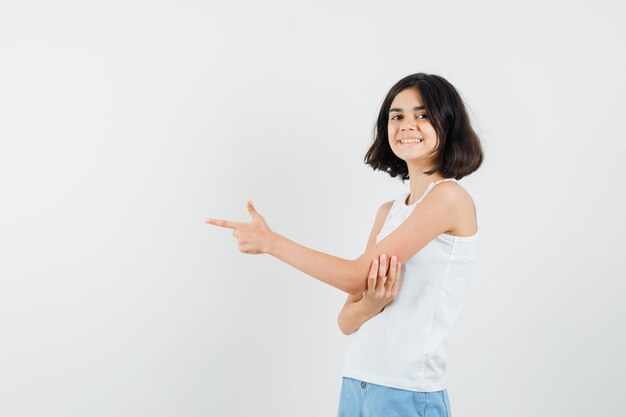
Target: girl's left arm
x=435, y=215
x=256, y=237
x=338, y=272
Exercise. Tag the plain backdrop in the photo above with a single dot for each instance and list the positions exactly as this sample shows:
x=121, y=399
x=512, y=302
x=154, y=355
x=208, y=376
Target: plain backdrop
x=124, y=124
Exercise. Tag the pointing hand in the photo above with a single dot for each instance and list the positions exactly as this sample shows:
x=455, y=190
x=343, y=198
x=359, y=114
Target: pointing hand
x=252, y=237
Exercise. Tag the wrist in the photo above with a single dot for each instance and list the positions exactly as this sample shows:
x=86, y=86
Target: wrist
x=270, y=243
x=370, y=307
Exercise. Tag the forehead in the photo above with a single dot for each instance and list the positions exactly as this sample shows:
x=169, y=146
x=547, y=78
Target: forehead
x=407, y=99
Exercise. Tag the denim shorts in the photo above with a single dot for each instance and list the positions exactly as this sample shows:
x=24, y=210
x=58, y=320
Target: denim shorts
x=363, y=399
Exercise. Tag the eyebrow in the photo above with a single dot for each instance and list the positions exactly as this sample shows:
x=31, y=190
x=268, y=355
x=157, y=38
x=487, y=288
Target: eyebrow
x=400, y=110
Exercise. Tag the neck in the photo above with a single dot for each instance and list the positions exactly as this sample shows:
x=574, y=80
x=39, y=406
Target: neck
x=420, y=181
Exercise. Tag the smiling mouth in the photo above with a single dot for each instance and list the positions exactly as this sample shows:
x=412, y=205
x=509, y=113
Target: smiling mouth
x=412, y=140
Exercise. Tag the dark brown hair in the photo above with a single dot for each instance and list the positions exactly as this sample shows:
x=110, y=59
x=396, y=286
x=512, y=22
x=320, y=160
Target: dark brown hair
x=458, y=152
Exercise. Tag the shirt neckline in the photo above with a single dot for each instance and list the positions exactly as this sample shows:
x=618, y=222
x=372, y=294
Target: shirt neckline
x=426, y=191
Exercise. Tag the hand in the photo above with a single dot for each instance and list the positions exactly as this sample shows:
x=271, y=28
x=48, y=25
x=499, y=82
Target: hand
x=382, y=290
x=251, y=237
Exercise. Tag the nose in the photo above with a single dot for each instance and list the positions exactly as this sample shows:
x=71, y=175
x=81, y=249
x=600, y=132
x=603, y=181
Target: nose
x=408, y=124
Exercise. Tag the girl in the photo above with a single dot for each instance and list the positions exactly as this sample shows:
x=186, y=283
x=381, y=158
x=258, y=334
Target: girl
x=396, y=358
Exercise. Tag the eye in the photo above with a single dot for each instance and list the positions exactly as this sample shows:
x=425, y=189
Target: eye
x=419, y=116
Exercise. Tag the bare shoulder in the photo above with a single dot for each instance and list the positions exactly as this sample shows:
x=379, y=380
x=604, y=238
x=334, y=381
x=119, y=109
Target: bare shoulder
x=381, y=216
x=459, y=203
x=452, y=192
x=384, y=209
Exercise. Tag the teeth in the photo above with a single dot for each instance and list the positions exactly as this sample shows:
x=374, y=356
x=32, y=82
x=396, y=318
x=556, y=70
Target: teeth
x=411, y=141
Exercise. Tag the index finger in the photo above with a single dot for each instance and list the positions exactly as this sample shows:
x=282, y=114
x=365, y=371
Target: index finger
x=222, y=223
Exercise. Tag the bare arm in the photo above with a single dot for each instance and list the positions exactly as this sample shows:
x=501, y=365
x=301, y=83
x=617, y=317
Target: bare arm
x=437, y=214
x=354, y=314
x=256, y=237
x=381, y=291
x=330, y=269
x=357, y=310
x=334, y=271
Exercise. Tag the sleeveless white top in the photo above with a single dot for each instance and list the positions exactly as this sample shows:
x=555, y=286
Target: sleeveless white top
x=404, y=346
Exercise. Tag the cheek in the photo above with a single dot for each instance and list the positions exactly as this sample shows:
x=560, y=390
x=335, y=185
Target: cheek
x=391, y=134
x=431, y=129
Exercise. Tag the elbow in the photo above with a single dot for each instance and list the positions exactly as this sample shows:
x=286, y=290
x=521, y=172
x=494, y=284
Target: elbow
x=353, y=288
x=343, y=323
x=346, y=331
x=357, y=283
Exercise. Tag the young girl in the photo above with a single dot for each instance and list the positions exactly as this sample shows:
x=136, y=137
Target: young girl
x=396, y=359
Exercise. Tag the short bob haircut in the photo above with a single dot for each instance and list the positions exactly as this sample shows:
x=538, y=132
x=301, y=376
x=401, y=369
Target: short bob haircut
x=458, y=152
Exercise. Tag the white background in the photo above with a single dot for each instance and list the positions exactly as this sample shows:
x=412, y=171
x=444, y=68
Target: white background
x=124, y=124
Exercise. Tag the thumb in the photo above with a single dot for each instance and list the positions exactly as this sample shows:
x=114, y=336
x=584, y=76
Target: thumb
x=252, y=210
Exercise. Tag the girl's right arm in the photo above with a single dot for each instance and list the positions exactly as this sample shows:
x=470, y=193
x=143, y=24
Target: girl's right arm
x=380, y=292
x=354, y=313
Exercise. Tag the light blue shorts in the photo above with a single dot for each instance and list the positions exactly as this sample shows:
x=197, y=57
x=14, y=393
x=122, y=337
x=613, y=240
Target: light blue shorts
x=362, y=399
